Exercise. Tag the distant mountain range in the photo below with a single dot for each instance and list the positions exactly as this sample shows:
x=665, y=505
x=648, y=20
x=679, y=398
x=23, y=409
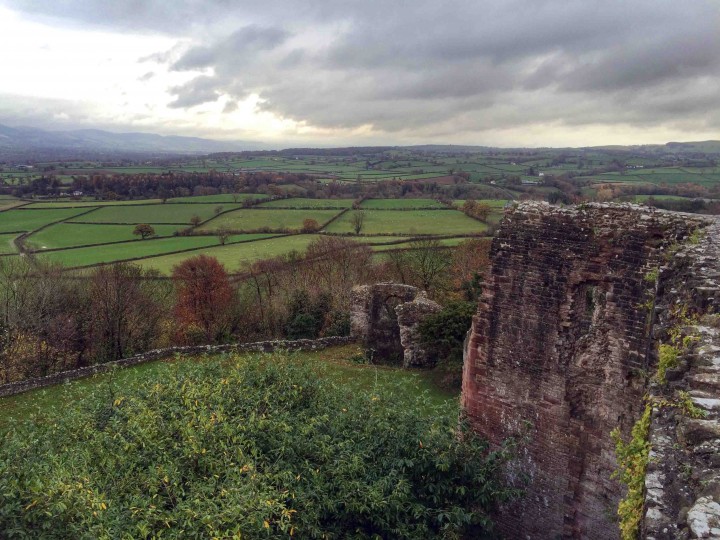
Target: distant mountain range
x=27, y=138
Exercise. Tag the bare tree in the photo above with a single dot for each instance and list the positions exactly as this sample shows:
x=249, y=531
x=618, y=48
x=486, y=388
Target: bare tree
x=357, y=220
x=429, y=262
x=223, y=233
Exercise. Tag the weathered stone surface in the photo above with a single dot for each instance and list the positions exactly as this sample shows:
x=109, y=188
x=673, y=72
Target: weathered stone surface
x=409, y=317
x=686, y=451
x=558, y=351
x=704, y=518
x=385, y=318
x=373, y=319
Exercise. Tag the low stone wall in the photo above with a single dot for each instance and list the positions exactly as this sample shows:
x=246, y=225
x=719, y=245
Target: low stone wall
x=260, y=346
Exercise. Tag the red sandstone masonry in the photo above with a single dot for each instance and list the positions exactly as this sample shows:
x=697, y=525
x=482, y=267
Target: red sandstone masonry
x=557, y=350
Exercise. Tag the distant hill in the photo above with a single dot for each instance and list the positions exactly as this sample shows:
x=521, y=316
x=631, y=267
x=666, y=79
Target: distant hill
x=27, y=138
x=695, y=147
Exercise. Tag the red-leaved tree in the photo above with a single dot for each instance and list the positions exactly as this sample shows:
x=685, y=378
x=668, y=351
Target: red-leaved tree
x=205, y=299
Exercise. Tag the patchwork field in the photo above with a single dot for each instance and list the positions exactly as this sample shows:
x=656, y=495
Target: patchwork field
x=280, y=219
x=180, y=214
x=30, y=220
x=308, y=203
x=393, y=204
x=133, y=250
x=234, y=256
x=65, y=235
x=65, y=203
x=410, y=222
x=93, y=233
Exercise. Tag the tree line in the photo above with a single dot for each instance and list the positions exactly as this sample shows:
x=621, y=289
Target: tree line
x=53, y=320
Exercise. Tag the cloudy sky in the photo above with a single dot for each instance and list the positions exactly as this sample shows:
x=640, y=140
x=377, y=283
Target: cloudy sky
x=340, y=72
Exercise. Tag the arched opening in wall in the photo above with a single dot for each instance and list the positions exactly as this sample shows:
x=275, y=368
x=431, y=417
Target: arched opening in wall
x=386, y=330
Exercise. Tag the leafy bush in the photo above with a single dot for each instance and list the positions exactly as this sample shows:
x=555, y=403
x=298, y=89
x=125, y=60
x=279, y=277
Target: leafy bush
x=444, y=332
x=258, y=447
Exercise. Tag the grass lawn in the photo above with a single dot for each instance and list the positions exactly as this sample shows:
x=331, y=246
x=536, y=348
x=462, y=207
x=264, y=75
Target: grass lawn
x=153, y=213
x=308, y=203
x=63, y=235
x=254, y=219
x=132, y=250
x=29, y=220
x=417, y=222
x=232, y=256
x=390, y=204
x=334, y=363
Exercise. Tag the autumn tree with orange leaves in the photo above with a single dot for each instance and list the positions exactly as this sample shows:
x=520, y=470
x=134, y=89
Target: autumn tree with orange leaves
x=205, y=299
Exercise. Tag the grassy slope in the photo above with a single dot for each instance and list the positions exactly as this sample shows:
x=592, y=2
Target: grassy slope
x=333, y=362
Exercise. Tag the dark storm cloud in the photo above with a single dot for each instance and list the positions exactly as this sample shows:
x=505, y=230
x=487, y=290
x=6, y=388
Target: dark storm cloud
x=234, y=50
x=431, y=66
x=195, y=92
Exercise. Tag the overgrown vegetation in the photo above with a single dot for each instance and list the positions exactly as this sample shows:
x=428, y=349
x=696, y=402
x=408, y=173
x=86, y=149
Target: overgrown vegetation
x=632, y=459
x=667, y=359
x=258, y=447
x=443, y=334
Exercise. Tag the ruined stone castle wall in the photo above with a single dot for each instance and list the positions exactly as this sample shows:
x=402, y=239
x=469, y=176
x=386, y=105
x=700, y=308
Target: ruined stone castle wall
x=682, y=485
x=559, y=351
x=385, y=318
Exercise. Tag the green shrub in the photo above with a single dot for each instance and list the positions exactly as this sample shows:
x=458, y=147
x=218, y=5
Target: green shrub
x=668, y=359
x=444, y=332
x=257, y=447
x=632, y=459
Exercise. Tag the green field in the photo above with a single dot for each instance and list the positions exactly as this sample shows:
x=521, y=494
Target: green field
x=64, y=235
x=492, y=203
x=136, y=249
x=413, y=222
x=30, y=220
x=220, y=198
x=65, y=203
x=391, y=204
x=308, y=203
x=155, y=213
x=276, y=219
x=6, y=243
x=235, y=255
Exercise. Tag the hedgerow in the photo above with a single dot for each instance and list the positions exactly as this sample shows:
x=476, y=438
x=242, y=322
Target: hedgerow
x=252, y=447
